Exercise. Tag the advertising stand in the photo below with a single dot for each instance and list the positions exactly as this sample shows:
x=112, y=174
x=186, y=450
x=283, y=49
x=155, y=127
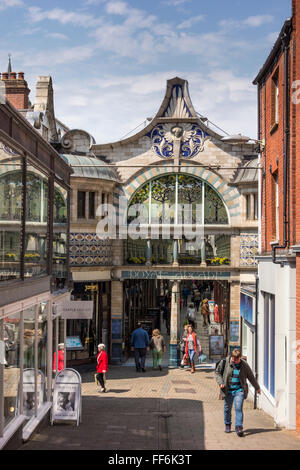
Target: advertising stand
x=67, y=402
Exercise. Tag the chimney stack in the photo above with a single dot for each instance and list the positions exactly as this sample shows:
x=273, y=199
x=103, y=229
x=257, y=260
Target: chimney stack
x=16, y=89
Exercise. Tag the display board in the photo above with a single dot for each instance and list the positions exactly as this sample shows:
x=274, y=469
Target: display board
x=29, y=392
x=67, y=402
x=73, y=343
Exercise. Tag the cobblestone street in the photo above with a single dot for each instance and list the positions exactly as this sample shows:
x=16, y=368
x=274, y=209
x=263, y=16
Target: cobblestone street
x=168, y=410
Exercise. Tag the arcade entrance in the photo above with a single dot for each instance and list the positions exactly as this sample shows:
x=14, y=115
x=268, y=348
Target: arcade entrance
x=150, y=302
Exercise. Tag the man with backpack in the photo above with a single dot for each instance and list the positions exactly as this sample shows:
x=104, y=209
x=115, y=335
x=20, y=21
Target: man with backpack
x=231, y=375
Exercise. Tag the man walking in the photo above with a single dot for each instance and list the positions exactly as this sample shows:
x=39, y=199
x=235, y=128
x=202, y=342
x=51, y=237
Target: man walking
x=231, y=375
x=140, y=344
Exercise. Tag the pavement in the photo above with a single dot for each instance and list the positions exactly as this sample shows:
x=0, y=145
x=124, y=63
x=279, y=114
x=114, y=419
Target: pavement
x=170, y=410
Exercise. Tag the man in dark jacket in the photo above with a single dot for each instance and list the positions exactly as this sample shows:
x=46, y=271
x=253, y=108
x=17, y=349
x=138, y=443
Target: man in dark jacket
x=140, y=344
x=231, y=375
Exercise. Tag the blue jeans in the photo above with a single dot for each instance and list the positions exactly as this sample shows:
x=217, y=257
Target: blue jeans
x=238, y=400
x=191, y=354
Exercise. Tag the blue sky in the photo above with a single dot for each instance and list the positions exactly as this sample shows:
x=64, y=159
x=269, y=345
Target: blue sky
x=110, y=59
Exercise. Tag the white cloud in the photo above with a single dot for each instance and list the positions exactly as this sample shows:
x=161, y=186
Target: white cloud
x=258, y=20
x=55, y=57
x=57, y=36
x=117, y=8
x=175, y=3
x=4, y=4
x=252, y=21
x=36, y=15
x=191, y=21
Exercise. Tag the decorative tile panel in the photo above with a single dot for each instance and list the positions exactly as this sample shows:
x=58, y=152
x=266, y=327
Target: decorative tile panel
x=249, y=249
x=87, y=249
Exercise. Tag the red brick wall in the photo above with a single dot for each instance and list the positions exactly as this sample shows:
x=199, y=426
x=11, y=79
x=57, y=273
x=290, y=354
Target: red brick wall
x=274, y=148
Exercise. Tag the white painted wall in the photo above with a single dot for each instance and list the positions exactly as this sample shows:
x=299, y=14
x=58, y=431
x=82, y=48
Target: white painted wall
x=281, y=282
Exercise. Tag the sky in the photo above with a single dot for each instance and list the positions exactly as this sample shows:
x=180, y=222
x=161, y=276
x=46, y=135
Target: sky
x=110, y=59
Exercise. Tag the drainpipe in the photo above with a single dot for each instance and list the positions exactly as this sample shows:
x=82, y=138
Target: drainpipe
x=285, y=43
x=256, y=338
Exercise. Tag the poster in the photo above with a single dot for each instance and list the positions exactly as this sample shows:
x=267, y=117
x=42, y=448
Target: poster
x=67, y=396
x=234, y=331
x=216, y=345
x=65, y=401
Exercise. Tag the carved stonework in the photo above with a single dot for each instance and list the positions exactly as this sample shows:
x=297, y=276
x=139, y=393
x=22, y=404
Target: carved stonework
x=191, y=136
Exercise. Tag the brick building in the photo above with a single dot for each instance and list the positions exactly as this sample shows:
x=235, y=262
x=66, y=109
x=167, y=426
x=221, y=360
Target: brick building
x=279, y=269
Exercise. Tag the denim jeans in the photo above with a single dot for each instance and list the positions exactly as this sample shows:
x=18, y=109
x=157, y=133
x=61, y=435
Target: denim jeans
x=191, y=354
x=238, y=400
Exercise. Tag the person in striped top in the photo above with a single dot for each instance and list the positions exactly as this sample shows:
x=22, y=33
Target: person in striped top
x=232, y=375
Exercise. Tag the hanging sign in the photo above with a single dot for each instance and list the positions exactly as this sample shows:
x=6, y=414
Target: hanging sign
x=67, y=397
x=75, y=310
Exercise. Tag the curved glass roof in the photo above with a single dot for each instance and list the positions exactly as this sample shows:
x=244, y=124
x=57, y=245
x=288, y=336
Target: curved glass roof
x=88, y=167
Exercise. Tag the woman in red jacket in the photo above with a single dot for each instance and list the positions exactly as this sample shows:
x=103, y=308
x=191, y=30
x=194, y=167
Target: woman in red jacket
x=60, y=358
x=102, y=366
x=192, y=347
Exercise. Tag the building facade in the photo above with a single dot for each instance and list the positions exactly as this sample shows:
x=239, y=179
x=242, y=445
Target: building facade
x=34, y=233
x=180, y=161
x=278, y=302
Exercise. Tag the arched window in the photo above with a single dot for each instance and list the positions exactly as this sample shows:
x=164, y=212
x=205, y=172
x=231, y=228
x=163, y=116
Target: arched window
x=179, y=200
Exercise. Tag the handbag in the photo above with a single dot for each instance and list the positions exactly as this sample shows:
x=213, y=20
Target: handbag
x=185, y=360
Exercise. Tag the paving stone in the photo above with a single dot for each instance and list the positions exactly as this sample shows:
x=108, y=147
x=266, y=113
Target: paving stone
x=131, y=416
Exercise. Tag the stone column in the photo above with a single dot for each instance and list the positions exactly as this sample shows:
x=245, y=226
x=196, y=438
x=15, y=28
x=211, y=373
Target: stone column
x=252, y=208
x=148, y=252
x=174, y=324
x=203, y=254
x=175, y=252
x=116, y=321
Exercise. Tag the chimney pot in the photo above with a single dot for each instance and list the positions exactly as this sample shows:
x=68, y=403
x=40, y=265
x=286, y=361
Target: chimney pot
x=4, y=76
x=13, y=75
x=21, y=75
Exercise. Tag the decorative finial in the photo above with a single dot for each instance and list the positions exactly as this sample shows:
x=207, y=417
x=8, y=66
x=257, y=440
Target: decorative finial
x=9, y=69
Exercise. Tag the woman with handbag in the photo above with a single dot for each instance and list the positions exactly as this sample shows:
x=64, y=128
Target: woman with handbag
x=102, y=366
x=181, y=347
x=192, y=347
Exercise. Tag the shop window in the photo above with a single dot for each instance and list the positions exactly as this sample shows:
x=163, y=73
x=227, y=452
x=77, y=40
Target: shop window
x=60, y=234
x=36, y=231
x=11, y=336
x=81, y=204
x=91, y=205
x=11, y=190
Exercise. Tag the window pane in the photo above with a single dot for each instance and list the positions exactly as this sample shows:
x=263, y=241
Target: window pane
x=214, y=211
x=91, y=205
x=10, y=213
x=60, y=231
x=35, y=260
x=12, y=366
x=81, y=204
x=163, y=200
x=189, y=200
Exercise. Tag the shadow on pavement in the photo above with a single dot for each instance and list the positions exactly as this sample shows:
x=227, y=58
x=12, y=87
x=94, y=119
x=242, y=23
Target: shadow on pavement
x=248, y=432
x=118, y=423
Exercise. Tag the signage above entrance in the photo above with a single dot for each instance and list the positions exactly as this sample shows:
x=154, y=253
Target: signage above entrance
x=179, y=275
x=72, y=310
